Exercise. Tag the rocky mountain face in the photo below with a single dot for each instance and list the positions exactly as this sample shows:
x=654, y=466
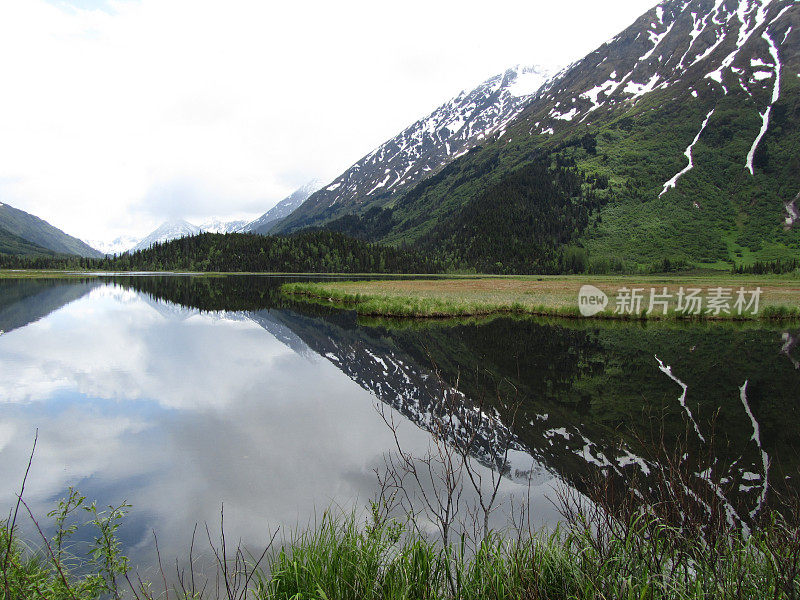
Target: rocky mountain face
x=698, y=50
x=24, y=233
x=422, y=148
x=275, y=215
x=679, y=138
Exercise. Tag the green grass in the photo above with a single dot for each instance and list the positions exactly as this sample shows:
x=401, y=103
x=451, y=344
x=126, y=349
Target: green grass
x=343, y=559
x=36, y=274
x=544, y=296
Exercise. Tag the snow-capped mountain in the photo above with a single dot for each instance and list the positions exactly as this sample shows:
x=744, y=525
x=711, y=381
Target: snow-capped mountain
x=216, y=225
x=423, y=148
x=684, y=126
x=118, y=245
x=282, y=209
x=169, y=230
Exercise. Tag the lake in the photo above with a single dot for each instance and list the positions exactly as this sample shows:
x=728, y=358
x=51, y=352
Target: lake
x=181, y=394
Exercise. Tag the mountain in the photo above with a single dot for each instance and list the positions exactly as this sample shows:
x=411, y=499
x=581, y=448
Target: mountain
x=216, y=225
x=169, y=230
x=282, y=209
x=165, y=232
x=118, y=245
x=677, y=139
x=30, y=234
x=421, y=149
x=13, y=244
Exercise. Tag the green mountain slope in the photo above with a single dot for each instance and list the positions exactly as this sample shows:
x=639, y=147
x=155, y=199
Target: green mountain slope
x=13, y=244
x=685, y=129
x=40, y=233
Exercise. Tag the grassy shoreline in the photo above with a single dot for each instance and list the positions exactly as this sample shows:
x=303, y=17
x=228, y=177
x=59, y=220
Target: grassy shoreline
x=469, y=295
x=544, y=296
x=345, y=559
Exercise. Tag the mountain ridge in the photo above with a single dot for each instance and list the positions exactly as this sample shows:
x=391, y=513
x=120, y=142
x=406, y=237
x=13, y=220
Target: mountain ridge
x=421, y=148
x=40, y=233
x=283, y=209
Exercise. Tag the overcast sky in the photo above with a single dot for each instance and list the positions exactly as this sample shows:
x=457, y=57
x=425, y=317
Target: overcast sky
x=117, y=115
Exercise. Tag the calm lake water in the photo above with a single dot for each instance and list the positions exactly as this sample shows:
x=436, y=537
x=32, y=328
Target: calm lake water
x=178, y=394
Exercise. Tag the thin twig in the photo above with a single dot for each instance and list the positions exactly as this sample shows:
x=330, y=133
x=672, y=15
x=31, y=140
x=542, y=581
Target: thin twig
x=7, y=557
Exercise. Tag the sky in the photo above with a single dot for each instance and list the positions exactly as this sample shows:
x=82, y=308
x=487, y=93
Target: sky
x=116, y=115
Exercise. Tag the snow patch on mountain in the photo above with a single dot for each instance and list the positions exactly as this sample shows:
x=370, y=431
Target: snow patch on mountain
x=747, y=28
x=674, y=181
x=776, y=93
x=606, y=88
x=527, y=82
x=792, y=214
x=656, y=38
x=640, y=89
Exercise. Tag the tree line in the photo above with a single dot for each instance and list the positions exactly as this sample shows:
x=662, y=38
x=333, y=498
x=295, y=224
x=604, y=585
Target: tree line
x=307, y=252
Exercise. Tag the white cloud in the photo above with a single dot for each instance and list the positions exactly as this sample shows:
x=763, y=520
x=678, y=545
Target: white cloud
x=236, y=104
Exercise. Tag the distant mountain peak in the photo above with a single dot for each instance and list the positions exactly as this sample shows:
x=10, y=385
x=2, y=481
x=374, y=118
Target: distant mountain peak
x=118, y=245
x=270, y=219
x=168, y=230
x=217, y=225
x=312, y=186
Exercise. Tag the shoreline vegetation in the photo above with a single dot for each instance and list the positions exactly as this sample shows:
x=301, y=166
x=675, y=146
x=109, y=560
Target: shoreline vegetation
x=557, y=296
x=381, y=559
x=429, y=297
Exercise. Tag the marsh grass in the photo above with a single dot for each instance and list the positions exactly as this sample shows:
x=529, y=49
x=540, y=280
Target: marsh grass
x=538, y=296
